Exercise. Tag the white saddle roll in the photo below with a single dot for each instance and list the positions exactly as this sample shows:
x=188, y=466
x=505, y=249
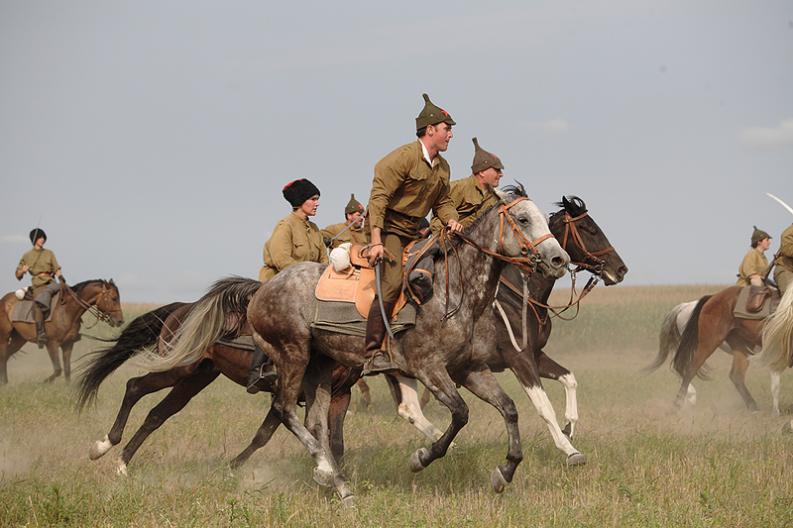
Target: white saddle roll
x=340, y=257
x=20, y=293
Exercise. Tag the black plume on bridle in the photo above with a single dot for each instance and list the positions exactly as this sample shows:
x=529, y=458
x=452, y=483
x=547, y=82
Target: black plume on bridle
x=515, y=190
x=573, y=205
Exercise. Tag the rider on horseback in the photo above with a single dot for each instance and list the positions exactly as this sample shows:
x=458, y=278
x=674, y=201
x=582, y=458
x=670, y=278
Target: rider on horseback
x=351, y=230
x=407, y=183
x=752, y=270
x=43, y=268
x=783, y=274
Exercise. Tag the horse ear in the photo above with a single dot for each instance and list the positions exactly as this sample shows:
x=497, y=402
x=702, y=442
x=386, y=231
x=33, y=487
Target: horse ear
x=111, y=281
x=503, y=196
x=566, y=203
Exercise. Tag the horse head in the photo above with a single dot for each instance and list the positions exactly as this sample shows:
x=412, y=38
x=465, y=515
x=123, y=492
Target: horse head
x=107, y=300
x=524, y=233
x=585, y=242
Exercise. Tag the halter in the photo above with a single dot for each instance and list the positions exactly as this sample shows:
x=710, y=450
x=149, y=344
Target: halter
x=571, y=231
x=93, y=309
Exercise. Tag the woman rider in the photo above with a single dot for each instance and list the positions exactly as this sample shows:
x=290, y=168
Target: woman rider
x=294, y=239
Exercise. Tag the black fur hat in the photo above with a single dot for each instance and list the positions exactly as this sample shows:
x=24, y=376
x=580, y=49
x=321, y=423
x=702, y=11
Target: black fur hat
x=298, y=191
x=37, y=233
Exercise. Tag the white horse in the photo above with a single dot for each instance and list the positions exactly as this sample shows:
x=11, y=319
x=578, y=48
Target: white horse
x=777, y=351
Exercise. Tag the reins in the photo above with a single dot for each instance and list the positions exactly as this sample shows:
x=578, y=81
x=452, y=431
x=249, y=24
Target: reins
x=91, y=309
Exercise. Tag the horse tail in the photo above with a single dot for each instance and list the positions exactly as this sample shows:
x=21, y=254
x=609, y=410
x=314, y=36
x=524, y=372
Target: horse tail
x=777, y=351
x=668, y=338
x=689, y=341
x=140, y=334
x=221, y=311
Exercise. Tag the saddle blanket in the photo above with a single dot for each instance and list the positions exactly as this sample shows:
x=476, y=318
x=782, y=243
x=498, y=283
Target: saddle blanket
x=343, y=318
x=22, y=312
x=769, y=306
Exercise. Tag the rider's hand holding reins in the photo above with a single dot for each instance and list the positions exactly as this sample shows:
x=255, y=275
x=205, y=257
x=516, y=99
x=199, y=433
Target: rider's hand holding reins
x=454, y=226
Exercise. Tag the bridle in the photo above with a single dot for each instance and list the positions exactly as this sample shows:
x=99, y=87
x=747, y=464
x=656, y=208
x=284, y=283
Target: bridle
x=93, y=309
x=592, y=262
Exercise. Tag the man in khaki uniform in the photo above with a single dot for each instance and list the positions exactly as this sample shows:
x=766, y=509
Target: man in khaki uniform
x=474, y=195
x=43, y=268
x=407, y=184
x=294, y=239
x=349, y=231
x=783, y=271
x=752, y=269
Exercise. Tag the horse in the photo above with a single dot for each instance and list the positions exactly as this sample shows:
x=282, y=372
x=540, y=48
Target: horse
x=152, y=331
x=669, y=339
x=98, y=296
x=712, y=323
x=437, y=351
x=590, y=250
x=777, y=353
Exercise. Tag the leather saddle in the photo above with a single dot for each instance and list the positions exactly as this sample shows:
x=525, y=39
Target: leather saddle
x=354, y=285
x=756, y=303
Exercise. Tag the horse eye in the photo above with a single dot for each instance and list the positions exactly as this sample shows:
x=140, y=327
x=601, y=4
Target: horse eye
x=523, y=220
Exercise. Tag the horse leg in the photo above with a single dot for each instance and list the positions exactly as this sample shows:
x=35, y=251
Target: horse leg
x=484, y=385
x=437, y=380
x=775, y=385
x=550, y=369
x=174, y=402
x=705, y=347
x=740, y=363
x=291, y=362
x=409, y=408
x=8, y=347
x=366, y=394
x=66, y=352
x=52, y=350
x=136, y=389
x=339, y=404
x=260, y=439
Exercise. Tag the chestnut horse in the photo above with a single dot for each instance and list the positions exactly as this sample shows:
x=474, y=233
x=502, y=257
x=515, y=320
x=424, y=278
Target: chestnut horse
x=98, y=296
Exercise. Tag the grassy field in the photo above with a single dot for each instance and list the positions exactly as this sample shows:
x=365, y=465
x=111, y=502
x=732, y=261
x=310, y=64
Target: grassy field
x=649, y=465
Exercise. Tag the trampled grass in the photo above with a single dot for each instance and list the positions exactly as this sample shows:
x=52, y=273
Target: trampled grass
x=649, y=465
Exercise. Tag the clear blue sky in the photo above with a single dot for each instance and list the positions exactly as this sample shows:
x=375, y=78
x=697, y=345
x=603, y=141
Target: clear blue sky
x=151, y=139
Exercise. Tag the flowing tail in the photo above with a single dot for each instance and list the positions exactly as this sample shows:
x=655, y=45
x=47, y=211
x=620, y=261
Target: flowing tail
x=777, y=351
x=689, y=341
x=220, y=312
x=140, y=334
x=668, y=338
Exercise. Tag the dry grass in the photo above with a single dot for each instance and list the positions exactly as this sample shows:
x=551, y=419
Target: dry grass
x=712, y=465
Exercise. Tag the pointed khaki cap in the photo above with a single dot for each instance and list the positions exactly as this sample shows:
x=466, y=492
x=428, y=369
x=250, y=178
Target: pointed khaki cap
x=432, y=115
x=758, y=235
x=484, y=160
x=353, y=205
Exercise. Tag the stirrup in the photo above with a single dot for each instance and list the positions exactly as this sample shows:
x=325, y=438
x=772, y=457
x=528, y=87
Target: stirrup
x=264, y=380
x=379, y=362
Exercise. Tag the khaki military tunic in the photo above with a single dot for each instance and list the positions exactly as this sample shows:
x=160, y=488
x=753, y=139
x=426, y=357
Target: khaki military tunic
x=40, y=261
x=470, y=201
x=404, y=190
x=293, y=240
x=356, y=236
x=754, y=263
x=783, y=270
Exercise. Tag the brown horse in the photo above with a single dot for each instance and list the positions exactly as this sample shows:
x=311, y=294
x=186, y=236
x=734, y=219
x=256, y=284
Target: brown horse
x=98, y=296
x=711, y=323
x=154, y=330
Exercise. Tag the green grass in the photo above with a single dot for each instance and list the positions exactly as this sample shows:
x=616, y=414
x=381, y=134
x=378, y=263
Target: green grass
x=649, y=465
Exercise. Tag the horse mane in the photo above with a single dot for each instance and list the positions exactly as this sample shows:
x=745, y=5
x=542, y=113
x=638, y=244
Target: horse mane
x=81, y=285
x=572, y=204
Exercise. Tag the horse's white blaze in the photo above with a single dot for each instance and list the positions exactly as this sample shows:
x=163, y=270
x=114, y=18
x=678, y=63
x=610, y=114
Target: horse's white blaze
x=410, y=409
x=544, y=408
x=570, y=384
x=99, y=448
x=775, y=382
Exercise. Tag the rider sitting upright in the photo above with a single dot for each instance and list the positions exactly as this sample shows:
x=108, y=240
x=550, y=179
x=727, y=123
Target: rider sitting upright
x=753, y=268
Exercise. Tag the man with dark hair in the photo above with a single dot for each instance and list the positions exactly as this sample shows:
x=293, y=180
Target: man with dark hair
x=43, y=268
x=349, y=231
x=407, y=184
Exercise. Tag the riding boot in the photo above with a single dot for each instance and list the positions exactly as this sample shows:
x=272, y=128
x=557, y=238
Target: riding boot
x=377, y=359
x=41, y=334
x=262, y=375
x=756, y=298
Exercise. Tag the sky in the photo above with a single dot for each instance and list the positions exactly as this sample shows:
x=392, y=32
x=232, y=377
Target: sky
x=151, y=140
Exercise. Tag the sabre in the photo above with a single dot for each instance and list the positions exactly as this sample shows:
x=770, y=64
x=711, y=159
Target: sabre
x=779, y=200
x=379, y=291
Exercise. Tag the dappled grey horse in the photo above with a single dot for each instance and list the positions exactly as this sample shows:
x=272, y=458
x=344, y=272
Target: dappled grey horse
x=437, y=351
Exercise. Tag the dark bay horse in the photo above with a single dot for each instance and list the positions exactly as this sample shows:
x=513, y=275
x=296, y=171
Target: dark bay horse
x=152, y=331
x=711, y=323
x=99, y=296
x=437, y=351
x=499, y=332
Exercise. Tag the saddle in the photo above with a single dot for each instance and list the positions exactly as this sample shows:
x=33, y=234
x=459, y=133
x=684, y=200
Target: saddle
x=756, y=305
x=22, y=311
x=355, y=285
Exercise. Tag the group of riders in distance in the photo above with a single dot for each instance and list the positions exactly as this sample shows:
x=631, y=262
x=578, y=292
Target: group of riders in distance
x=445, y=302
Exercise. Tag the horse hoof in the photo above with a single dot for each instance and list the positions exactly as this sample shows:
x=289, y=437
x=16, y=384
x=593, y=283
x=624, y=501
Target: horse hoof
x=498, y=481
x=323, y=478
x=576, y=459
x=348, y=502
x=416, y=464
x=121, y=468
x=99, y=448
